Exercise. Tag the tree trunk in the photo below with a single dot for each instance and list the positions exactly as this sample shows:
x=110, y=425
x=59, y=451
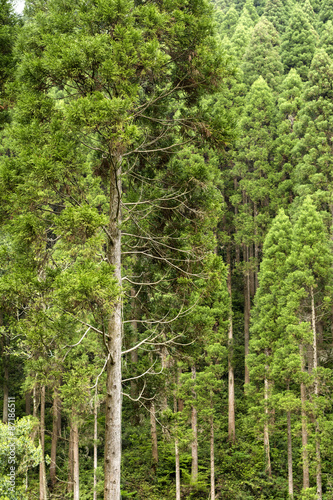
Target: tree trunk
x=70, y=462
x=76, y=468
x=177, y=455
x=27, y=397
x=247, y=306
x=4, y=356
x=231, y=378
x=194, y=445
x=266, y=432
x=112, y=454
x=153, y=431
x=290, y=458
x=95, y=442
x=54, y=441
x=316, y=392
x=42, y=472
x=134, y=354
x=305, y=458
x=212, y=457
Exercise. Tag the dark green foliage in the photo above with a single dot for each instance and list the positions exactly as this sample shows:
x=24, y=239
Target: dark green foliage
x=262, y=57
x=277, y=12
x=326, y=11
x=298, y=43
x=227, y=22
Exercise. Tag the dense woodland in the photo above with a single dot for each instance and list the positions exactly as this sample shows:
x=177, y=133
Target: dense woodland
x=166, y=211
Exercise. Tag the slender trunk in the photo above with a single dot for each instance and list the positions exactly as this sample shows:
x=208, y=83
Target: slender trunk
x=290, y=458
x=247, y=305
x=4, y=356
x=251, y=272
x=194, y=445
x=266, y=430
x=34, y=411
x=27, y=397
x=95, y=442
x=212, y=457
x=54, y=439
x=134, y=354
x=231, y=378
x=256, y=248
x=305, y=458
x=76, y=469
x=42, y=473
x=316, y=392
x=112, y=453
x=70, y=461
x=153, y=431
x=177, y=454
x=290, y=455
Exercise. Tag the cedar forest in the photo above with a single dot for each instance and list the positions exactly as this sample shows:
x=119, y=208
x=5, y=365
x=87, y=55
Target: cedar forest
x=166, y=286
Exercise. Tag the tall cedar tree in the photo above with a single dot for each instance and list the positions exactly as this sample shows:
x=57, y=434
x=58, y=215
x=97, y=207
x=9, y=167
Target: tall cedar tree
x=298, y=43
x=262, y=57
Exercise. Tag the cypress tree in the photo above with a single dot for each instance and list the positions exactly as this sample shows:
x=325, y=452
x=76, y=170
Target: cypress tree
x=277, y=12
x=298, y=44
x=314, y=128
x=227, y=23
x=241, y=36
x=326, y=11
x=262, y=57
x=308, y=9
x=326, y=39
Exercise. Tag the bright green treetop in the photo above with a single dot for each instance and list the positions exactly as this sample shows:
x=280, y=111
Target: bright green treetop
x=277, y=12
x=262, y=57
x=298, y=43
x=326, y=39
x=314, y=128
x=326, y=11
x=227, y=22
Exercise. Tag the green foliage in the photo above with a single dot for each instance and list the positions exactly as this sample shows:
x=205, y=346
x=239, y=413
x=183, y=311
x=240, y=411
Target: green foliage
x=298, y=43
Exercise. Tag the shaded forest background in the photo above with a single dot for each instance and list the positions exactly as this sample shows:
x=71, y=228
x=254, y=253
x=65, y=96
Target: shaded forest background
x=227, y=207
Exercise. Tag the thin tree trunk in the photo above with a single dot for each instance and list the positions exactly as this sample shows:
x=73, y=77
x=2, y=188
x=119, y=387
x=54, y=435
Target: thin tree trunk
x=251, y=272
x=266, y=431
x=305, y=458
x=70, y=461
x=316, y=392
x=95, y=442
x=112, y=454
x=247, y=306
x=212, y=456
x=54, y=440
x=290, y=458
x=27, y=397
x=194, y=445
x=153, y=431
x=231, y=378
x=42, y=472
x=134, y=354
x=4, y=356
x=76, y=468
x=177, y=455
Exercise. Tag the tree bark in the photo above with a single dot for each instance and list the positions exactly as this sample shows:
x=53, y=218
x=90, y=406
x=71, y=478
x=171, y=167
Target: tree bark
x=112, y=455
x=95, y=442
x=194, y=445
x=54, y=440
x=70, y=462
x=212, y=456
x=42, y=472
x=27, y=397
x=290, y=458
x=266, y=431
x=153, y=431
x=316, y=392
x=247, y=306
x=305, y=458
x=231, y=378
x=76, y=468
x=134, y=354
x=176, y=453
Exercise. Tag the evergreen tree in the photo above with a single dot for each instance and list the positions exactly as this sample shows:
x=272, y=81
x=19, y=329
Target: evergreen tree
x=227, y=22
x=326, y=39
x=314, y=128
x=277, y=12
x=251, y=10
x=262, y=57
x=290, y=101
x=241, y=36
x=298, y=44
x=307, y=8
x=326, y=11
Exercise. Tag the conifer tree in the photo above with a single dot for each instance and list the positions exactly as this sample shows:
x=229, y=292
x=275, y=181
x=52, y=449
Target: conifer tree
x=290, y=101
x=314, y=128
x=326, y=11
x=326, y=39
x=241, y=36
x=249, y=6
x=298, y=43
x=262, y=57
x=308, y=9
x=8, y=30
x=277, y=12
x=227, y=22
